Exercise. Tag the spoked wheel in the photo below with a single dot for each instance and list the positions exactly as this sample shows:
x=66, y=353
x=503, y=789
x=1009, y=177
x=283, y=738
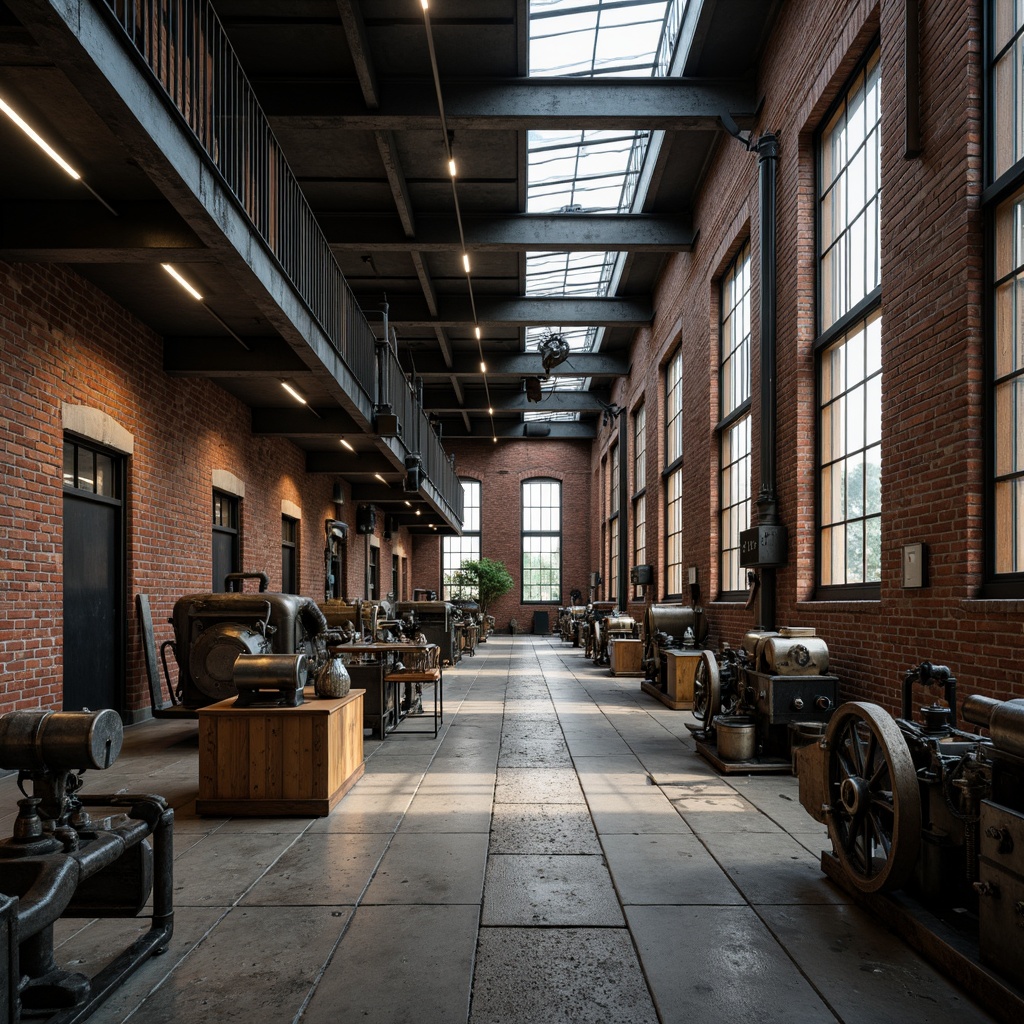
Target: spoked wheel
x=874, y=817
x=707, y=689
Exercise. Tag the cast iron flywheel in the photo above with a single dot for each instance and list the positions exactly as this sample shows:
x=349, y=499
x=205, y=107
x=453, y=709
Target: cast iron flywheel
x=707, y=689
x=874, y=803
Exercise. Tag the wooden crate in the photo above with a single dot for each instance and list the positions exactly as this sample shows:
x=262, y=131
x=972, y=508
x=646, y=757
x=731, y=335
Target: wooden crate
x=680, y=669
x=275, y=762
x=625, y=657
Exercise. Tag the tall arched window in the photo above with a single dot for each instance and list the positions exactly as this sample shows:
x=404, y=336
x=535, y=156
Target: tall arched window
x=542, y=541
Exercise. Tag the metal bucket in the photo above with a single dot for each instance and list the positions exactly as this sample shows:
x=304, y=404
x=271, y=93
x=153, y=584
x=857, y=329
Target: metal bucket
x=737, y=737
x=802, y=734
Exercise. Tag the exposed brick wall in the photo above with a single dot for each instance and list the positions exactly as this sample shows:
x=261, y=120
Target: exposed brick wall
x=501, y=468
x=63, y=341
x=932, y=420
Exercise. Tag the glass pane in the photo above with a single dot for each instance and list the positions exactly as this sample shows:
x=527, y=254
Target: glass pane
x=86, y=469
x=105, y=476
x=69, y=465
x=855, y=552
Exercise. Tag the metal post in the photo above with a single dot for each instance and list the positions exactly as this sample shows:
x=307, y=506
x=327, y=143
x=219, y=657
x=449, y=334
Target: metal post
x=622, y=597
x=767, y=148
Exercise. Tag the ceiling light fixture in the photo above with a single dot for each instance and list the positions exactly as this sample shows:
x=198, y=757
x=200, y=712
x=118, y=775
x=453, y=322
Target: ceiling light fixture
x=483, y=366
x=293, y=392
x=380, y=478
x=418, y=512
x=490, y=411
x=38, y=140
x=346, y=444
x=465, y=261
x=184, y=284
x=451, y=166
x=477, y=330
x=51, y=152
x=409, y=503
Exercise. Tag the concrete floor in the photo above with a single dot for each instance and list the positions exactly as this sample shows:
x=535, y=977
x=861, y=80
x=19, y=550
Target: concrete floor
x=558, y=853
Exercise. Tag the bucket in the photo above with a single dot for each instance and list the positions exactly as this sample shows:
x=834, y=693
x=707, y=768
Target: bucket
x=802, y=734
x=737, y=740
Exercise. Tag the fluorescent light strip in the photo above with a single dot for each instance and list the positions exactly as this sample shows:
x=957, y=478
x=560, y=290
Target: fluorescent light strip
x=291, y=391
x=38, y=139
x=184, y=284
x=346, y=444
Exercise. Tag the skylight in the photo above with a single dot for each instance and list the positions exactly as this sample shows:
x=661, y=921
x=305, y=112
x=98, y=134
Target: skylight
x=588, y=171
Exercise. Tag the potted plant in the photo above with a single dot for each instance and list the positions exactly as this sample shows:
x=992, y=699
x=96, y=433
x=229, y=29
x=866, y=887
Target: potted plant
x=489, y=578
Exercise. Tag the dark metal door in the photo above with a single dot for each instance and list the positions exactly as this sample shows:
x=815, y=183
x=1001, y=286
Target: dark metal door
x=93, y=604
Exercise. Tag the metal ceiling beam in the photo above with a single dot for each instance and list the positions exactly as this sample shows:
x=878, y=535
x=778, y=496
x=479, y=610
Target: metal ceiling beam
x=224, y=357
x=437, y=401
x=495, y=310
x=515, y=104
x=363, y=232
x=83, y=232
x=557, y=430
x=526, y=364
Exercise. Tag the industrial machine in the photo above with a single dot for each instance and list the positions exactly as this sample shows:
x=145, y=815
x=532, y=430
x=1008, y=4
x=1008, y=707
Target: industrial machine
x=212, y=630
x=60, y=862
x=614, y=626
x=590, y=628
x=756, y=703
x=570, y=619
x=929, y=808
x=436, y=620
x=668, y=627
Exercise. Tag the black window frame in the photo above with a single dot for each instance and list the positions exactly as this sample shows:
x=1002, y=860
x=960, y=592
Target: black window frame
x=524, y=533
x=859, y=313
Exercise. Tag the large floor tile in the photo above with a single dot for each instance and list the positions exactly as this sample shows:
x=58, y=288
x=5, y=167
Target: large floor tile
x=217, y=871
x=543, y=828
x=666, y=869
x=537, y=785
x=707, y=965
x=865, y=972
x=425, y=868
x=559, y=976
x=322, y=868
x=774, y=868
x=258, y=964
x=533, y=890
x=635, y=812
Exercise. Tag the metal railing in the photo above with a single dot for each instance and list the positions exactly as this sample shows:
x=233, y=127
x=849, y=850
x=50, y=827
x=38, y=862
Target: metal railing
x=185, y=47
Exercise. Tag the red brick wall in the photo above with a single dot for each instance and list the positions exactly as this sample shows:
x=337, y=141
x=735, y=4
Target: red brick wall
x=63, y=341
x=932, y=420
x=501, y=468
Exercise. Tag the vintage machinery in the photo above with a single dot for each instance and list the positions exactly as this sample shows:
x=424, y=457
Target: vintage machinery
x=212, y=630
x=612, y=627
x=590, y=630
x=668, y=627
x=436, y=619
x=60, y=862
x=752, y=708
x=570, y=619
x=928, y=808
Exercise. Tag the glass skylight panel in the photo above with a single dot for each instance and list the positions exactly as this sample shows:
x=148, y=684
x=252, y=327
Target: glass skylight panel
x=588, y=171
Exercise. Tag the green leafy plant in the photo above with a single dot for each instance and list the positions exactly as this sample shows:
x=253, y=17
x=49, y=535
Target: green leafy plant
x=486, y=577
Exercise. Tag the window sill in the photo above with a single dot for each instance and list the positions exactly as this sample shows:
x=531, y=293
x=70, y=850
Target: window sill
x=837, y=605
x=993, y=604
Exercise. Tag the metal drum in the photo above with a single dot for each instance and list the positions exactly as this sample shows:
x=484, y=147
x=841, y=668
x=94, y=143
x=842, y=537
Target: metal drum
x=670, y=619
x=60, y=740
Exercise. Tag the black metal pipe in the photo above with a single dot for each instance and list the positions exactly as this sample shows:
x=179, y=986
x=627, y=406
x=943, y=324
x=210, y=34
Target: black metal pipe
x=622, y=597
x=767, y=148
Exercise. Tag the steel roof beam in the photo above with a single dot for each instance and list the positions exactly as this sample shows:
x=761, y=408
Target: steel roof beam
x=493, y=310
x=437, y=402
x=515, y=104
x=525, y=232
x=525, y=364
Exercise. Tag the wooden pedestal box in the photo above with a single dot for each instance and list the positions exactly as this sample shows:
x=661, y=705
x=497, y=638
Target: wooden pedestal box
x=625, y=657
x=679, y=672
x=276, y=761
